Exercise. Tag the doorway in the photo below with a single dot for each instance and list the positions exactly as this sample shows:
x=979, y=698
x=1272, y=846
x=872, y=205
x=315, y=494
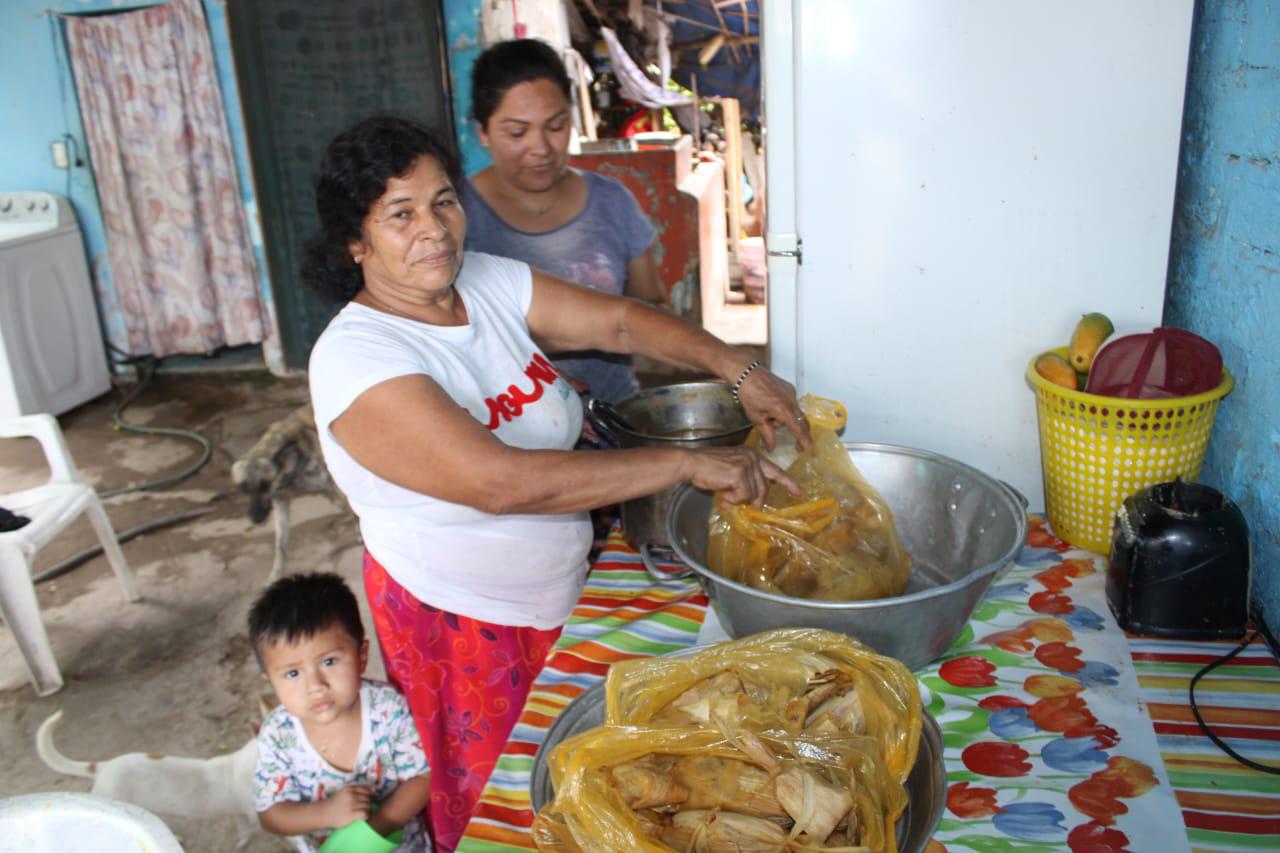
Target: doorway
x=307, y=70
x=711, y=49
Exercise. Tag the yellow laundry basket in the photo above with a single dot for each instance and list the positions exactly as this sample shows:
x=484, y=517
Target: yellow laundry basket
x=1096, y=451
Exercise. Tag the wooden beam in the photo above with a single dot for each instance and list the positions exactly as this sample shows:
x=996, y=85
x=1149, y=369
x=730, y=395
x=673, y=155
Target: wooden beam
x=732, y=120
x=694, y=22
x=711, y=48
x=719, y=3
x=684, y=47
x=583, y=91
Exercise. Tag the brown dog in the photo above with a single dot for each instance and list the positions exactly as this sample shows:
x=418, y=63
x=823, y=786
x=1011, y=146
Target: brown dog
x=286, y=461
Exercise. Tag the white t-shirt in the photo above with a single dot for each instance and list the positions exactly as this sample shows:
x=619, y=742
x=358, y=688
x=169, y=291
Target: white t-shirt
x=291, y=770
x=521, y=570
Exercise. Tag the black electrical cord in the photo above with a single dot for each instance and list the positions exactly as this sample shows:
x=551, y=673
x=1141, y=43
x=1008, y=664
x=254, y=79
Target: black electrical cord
x=85, y=556
x=1263, y=631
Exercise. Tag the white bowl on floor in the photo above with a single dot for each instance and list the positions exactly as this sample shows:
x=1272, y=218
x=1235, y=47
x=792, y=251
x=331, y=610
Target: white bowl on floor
x=64, y=822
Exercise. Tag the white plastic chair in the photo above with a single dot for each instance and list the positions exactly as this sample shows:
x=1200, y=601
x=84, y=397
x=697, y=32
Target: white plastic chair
x=50, y=507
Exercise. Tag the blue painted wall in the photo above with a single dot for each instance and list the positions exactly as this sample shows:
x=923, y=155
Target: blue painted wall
x=462, y=32
x=38, y=105
x=1224, y=274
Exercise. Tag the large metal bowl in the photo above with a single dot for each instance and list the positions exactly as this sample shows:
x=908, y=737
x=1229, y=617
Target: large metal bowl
x=960, y=526
x=926, y=785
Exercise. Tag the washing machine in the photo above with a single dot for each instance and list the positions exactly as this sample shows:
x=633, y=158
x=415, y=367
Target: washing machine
x=51, y=354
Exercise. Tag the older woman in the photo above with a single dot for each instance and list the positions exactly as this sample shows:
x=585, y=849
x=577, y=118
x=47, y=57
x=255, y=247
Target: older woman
x=451, y=433
x=577, y=225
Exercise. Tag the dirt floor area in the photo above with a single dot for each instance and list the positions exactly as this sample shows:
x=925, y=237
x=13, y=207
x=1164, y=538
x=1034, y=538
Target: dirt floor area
x=173, y=673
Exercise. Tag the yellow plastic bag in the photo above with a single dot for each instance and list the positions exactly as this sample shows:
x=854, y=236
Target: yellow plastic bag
x=836, y=542
x=771, y=674
x=834, y=787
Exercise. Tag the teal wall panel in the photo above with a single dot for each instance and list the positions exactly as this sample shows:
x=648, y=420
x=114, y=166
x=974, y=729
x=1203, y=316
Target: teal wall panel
x=1224, y=273
x=462, y=33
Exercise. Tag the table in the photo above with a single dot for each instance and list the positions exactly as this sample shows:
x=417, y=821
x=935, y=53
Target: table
x=1060, y=732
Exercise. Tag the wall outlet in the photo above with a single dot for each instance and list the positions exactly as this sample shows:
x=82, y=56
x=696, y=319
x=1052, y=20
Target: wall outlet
x=59, y=150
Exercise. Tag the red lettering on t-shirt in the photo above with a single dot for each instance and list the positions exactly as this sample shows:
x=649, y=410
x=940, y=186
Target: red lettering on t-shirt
x=510, y=404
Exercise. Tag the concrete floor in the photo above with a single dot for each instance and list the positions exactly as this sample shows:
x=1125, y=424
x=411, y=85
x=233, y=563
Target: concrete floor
x=173, y=673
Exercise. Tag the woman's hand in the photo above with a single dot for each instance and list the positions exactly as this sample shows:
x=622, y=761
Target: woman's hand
x=740, y=474
x=771, y=403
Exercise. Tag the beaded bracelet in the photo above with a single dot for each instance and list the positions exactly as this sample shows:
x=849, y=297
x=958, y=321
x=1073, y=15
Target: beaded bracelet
x=743, y=378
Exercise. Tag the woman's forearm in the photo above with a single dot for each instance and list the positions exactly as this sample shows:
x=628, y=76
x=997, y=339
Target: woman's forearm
x=566, y=317
x=643, y=282
x=460, y=461
x=559, y=481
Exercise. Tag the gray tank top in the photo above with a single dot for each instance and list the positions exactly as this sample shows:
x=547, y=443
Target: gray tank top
x=593, y=250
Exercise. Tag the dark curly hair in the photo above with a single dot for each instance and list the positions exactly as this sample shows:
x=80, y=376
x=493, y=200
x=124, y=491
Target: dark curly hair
x=300, y=606
x=353, y=175
x=507, y=64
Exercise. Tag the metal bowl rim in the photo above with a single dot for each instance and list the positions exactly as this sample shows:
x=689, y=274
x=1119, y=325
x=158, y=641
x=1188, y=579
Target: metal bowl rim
x=1019, y=515
x=743, y=430
x=930, y=730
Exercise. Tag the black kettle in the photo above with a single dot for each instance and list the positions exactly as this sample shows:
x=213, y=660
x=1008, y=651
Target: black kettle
x=1180, y=564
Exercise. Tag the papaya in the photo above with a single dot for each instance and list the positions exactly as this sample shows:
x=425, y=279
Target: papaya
x=1087, y=339
x=1057, y=370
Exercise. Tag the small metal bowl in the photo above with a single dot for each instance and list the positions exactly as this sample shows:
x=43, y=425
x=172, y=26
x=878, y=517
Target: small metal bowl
x=687, y=414
x=926, y=785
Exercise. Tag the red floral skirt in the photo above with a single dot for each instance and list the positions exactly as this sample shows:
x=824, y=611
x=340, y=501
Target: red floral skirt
x=465, y=681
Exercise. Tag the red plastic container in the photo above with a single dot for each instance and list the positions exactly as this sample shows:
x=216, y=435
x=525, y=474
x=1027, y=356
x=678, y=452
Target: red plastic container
x=1159, y=364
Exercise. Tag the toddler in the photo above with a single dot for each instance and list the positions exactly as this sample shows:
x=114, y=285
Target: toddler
x=339, y=748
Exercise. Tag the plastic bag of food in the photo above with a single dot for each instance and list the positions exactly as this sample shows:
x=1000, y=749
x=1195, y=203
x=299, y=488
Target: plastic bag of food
x=789, y=681
x=835, y=542
x=696, y=789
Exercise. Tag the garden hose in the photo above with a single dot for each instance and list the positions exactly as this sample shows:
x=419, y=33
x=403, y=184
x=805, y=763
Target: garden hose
x=146, y=366
x=85, y=556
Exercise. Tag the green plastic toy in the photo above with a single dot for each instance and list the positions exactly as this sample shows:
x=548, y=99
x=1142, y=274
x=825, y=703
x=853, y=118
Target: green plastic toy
x=359, y=837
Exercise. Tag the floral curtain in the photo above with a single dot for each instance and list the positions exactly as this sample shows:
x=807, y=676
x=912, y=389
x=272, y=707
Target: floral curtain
x=177, y=242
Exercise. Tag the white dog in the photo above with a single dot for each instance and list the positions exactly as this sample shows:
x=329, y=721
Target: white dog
x=187, y=787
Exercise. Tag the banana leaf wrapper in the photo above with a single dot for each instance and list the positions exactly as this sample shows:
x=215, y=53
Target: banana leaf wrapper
x=837, y=541
x=775, y=668
x=589, y=814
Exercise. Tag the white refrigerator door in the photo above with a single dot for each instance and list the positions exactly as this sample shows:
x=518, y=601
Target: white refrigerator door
x=970, y=176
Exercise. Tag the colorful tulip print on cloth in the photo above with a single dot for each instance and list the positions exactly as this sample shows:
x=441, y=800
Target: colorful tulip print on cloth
x=1046, y=745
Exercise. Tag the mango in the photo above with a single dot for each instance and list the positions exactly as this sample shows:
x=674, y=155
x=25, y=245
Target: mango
x=1057, y=370
x=1087, y=339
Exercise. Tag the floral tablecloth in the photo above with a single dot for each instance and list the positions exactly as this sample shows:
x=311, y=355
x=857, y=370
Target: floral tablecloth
x=1048, y=743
